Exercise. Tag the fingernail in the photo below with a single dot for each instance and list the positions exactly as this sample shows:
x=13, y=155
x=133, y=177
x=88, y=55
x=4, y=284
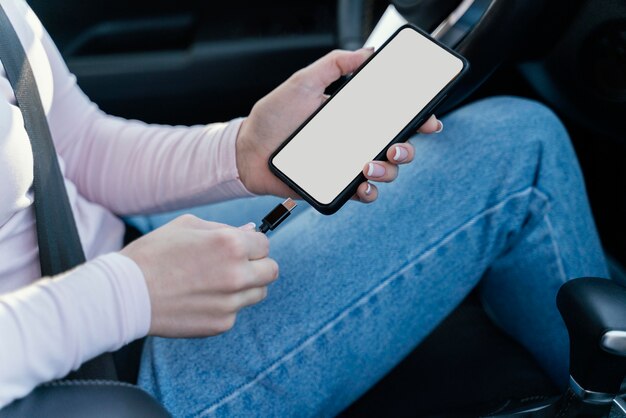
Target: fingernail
x=368, y=191
x=369, y=49
x=440, y=127
x=400, y=154
x=375, y=170
x=248, y=227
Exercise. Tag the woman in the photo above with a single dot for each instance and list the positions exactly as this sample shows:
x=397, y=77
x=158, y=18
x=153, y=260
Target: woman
x=497, y=199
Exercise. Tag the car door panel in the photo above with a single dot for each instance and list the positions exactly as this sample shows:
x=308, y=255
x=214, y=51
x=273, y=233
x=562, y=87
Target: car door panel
x=187, y=61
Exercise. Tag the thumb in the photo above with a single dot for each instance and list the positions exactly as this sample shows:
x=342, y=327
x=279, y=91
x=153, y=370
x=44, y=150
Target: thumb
x=333, y=65
x=250, y=226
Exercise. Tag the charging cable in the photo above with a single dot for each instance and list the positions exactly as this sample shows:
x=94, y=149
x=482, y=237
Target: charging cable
x=277, y=216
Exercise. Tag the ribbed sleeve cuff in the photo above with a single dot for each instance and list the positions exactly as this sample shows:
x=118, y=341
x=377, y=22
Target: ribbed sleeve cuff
x=134, y=299
x=112, y=302
x=230, y=183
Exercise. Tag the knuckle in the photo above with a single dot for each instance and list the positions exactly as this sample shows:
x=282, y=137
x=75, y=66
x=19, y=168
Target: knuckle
x=226, y=323
x=186, y=219
x=230, y=244
x=230, y=321
x=206, y=328
x=236, y=280
x=265, y=245
x=237, y=249
x=335, y=53
x=390, y=173
x=394, y=172
x=221, y=237
x=275, y=269
x=298, y=76
x=231, y=303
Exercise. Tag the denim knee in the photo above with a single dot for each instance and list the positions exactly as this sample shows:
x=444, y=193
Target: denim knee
x=512, y=121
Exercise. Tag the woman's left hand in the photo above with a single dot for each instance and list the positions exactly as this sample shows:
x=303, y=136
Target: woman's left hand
x=277, y=115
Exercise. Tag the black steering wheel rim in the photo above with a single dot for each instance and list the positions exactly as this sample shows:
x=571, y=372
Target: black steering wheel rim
x=486, y=32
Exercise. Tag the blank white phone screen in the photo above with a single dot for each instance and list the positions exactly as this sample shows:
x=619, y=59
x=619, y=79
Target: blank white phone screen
x=367, y=114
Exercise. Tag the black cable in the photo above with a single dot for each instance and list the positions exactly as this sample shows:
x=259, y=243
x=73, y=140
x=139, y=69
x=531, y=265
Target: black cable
x=277, y=216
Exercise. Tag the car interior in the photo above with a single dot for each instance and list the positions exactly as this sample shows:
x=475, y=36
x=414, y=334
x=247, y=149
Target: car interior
x=191, y=62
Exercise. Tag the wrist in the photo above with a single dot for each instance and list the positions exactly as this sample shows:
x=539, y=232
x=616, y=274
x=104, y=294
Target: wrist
x=244, y=156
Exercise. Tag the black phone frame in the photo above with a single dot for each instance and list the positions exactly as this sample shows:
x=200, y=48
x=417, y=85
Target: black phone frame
x=403, y=136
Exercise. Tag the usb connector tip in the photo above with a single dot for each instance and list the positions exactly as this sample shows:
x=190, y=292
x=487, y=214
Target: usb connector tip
x=289, y=204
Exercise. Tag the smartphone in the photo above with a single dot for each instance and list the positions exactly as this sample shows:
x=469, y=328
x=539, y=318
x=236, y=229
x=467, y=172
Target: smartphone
x=384, y=102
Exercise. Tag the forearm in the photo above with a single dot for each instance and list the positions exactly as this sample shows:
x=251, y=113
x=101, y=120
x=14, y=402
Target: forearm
x=131, y=167
x=54, y=325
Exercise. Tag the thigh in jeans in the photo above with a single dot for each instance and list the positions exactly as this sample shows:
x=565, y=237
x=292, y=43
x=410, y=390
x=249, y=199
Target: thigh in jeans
x=358, y=290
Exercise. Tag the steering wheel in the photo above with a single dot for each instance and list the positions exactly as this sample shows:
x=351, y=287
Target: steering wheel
x=486, y=32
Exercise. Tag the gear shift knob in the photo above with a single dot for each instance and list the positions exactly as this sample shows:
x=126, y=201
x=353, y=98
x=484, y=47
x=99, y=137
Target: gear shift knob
x=594, y=311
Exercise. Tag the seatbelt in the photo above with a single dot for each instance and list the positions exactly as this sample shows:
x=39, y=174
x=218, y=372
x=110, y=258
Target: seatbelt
x=60, y=248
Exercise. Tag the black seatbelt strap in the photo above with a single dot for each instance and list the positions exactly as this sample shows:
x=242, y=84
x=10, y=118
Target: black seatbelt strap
x=59, y=244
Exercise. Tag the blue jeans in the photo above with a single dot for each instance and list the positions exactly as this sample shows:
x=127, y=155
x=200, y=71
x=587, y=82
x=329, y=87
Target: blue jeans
x=496, y=200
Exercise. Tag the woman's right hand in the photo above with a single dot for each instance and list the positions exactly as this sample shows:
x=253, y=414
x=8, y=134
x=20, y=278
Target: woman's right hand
x=201, y=274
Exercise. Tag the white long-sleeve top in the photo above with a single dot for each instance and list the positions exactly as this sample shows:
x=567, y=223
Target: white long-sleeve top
x=49, y=326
